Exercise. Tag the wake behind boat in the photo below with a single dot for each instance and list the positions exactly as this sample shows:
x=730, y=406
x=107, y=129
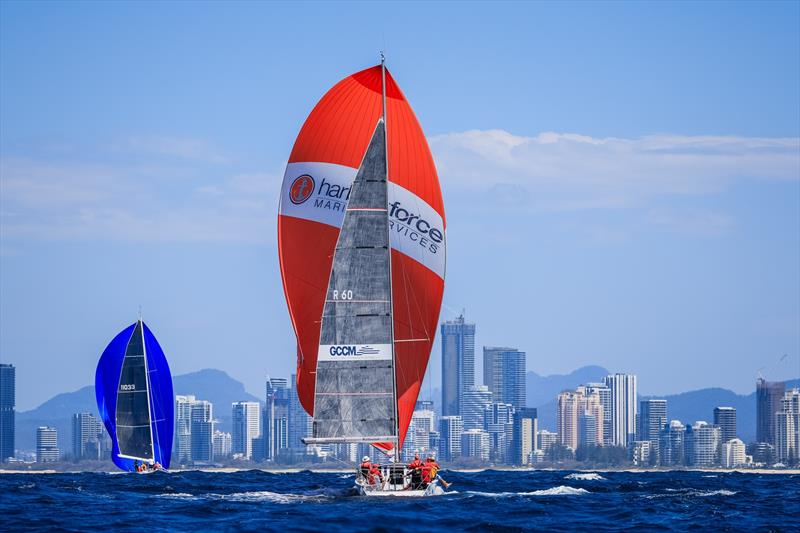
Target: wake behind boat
x=133, y=387
x=361, y=238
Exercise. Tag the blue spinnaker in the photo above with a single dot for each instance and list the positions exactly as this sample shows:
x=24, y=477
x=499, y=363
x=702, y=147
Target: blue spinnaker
x=161, y=398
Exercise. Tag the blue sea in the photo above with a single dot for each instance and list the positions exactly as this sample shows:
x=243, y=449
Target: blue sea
x=478, y=501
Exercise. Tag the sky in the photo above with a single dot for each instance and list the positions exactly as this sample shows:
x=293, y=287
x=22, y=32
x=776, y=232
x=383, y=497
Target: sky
x=621, y=180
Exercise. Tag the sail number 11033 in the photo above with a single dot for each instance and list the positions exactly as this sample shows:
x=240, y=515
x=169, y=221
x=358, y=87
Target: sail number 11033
x=342, y=295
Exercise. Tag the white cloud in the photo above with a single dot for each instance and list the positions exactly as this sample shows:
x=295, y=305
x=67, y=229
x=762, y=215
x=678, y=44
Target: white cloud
x=199, y=195
x=558, y=171
x=135, y=203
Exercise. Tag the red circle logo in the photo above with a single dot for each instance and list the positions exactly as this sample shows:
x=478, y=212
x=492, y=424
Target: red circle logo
x=301, y=189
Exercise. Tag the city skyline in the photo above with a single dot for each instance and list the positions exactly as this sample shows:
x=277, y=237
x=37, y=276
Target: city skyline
x=647, y=222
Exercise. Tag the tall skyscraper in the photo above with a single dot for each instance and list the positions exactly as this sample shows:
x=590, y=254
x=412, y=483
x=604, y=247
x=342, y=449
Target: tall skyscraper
x=276, y=418
x=7, y=404
x=202, y=429
x=526, y=426
x=183, y=429
x=450, y=429
x=725, y=418
x=787, y=429
x=623, y=408
x=768, y=402
x=246, y=427
x=604, y=393
x=567, y=419
x=87, y=433
x=458, y=363
x=671, y=444
x=504, y=374
x=47, y=445
x=652, y=419
x=473, y=403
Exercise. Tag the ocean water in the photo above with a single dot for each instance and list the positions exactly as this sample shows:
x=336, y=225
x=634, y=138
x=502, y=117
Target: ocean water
x=478, y=501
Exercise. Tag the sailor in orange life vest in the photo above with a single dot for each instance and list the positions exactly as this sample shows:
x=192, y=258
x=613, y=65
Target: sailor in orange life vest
x=430, y=472
x=415, y=468
x=370, y=471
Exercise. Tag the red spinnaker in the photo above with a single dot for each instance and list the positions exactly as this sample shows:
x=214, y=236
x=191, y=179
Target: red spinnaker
x=322, y=165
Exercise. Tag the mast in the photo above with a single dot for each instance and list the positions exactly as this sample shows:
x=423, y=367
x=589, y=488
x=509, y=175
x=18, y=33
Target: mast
x=389, y=241
x=150, y=411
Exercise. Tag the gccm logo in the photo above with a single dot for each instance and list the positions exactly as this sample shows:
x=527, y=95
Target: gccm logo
x=301, y=190
x=343, y=350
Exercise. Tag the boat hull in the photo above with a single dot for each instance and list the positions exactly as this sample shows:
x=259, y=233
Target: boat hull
x=433, y=489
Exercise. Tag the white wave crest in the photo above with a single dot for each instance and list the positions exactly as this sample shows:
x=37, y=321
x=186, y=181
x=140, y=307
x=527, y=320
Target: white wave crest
x=561, y=490
x=721, y=492
x=585, y=476
x=178, y=496
x=266, y=496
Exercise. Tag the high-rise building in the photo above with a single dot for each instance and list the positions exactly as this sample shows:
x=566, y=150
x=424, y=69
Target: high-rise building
x=475, y=444
x=202, y=431
x=498, y=422
x=604, y=393
x=246, y=428
x=223, y=444
x=458, y=363
x=276, y=418
x=652, y=419
x=423, y=423
x=579, y=418
x=504, y=374
x=623, y=408
x=546, y=440
x=703, y=444
x=768, y=402
x=787, y=429
x=671, y=444
x=47, y=445
x=87, y=437
x=732, y=453
x=299, y=421
x=568, y=404
x=725, y=418
x=7, y=414
x=450, y=429
x=183, y=429
x=473, y=404
x=526, y=426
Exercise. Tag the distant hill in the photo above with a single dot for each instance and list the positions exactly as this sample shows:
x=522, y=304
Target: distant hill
x=688, y=407
x=543, y=389
x=699, y=405
x=213, y=385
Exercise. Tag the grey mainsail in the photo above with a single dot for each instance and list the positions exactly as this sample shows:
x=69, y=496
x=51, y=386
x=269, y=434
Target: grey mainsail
x=134, y=433
x=355, y=390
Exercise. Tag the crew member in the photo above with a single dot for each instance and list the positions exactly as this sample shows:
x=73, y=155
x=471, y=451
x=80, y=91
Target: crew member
x=415, y=467
x=370, y=471
x=429, y=470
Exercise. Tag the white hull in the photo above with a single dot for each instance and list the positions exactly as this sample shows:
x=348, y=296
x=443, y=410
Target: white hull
x=433, y=489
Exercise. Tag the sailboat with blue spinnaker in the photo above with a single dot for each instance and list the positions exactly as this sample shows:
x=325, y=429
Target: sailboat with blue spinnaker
x=133, y=386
